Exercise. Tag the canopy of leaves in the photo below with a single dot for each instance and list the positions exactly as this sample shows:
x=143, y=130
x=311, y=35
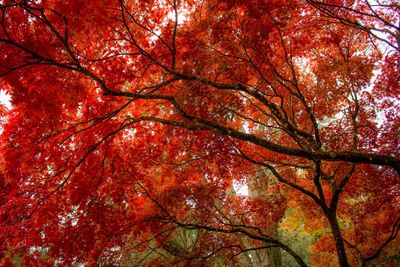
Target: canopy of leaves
x=134, y=124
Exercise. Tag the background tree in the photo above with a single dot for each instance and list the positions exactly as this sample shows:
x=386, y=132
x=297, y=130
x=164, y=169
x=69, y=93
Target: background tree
x=134, y=121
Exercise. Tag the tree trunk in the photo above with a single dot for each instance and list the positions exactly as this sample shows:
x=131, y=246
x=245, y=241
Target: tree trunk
x=257, y=186
x=337, y=235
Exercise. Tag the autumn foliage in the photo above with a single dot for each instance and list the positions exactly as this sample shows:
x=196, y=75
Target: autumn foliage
x=200, y=133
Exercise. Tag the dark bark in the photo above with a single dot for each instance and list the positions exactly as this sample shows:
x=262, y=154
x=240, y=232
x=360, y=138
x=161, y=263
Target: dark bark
x=337, y=235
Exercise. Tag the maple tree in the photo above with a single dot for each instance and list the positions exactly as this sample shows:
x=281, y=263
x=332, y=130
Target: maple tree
x=134, y=122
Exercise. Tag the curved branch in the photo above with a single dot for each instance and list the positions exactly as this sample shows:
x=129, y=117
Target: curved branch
x=353, y=157
x=392, y=236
